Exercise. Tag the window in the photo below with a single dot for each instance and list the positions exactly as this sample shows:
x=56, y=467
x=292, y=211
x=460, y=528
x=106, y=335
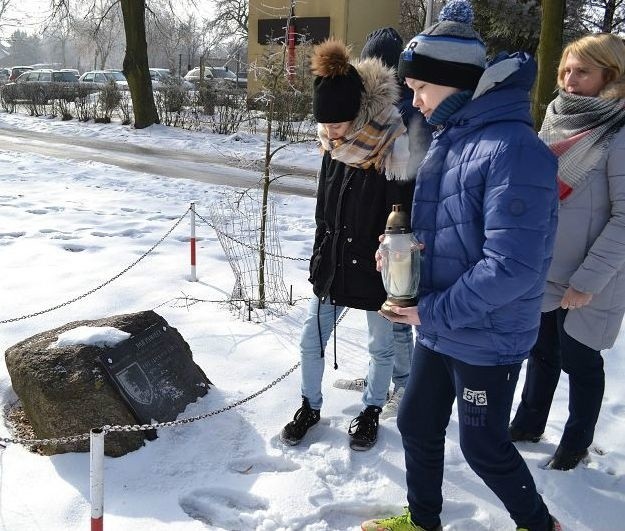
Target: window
x=114, y=76
x=63, y=76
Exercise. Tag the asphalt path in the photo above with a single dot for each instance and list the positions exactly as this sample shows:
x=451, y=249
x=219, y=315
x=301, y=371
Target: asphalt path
x=185, y=164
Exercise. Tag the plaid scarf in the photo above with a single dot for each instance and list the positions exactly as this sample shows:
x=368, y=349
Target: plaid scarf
x=578, y=129
x=378, y=144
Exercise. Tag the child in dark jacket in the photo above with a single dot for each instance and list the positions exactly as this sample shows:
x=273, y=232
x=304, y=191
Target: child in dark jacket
x=363, y=173
x=485, y=208
x=386, y=44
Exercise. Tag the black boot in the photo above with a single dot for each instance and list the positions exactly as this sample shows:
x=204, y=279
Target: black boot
x=363, y=430
x=566, y=460
x=305, y=417
x=554, y=525
x=516, y=435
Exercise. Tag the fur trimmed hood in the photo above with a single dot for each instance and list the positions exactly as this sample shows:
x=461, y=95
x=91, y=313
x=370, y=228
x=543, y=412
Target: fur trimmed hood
x=380, y=89
x=614, y=90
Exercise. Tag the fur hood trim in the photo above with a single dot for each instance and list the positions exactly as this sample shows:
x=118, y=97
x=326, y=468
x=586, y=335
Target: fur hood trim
x=614, y=90
x=380, y=89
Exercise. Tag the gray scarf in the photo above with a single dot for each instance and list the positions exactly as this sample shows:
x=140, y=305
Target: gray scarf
x=578, y=129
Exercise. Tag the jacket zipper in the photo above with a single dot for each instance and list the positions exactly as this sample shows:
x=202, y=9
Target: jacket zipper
x=349, y=173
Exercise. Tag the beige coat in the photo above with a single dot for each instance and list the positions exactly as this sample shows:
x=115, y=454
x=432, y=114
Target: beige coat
x=589, y=253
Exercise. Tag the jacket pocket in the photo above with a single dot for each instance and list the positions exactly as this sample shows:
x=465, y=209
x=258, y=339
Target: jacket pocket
x=361, y=257
x=317, y=256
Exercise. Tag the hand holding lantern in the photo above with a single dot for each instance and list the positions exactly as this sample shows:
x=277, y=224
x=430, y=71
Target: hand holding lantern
x=400, y=262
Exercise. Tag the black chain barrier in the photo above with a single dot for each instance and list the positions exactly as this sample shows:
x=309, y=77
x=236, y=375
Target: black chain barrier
x=144, y=427
x=249, y=246
x=100, y=286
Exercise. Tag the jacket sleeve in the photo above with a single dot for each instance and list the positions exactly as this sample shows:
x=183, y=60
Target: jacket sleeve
x=606, y=256
x=320, y=206
x=519, y=212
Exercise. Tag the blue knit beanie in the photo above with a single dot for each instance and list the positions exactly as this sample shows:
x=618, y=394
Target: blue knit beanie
x=384, y=43
x=449, y=53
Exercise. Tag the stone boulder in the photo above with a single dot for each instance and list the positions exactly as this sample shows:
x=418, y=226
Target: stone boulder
x=65, y=391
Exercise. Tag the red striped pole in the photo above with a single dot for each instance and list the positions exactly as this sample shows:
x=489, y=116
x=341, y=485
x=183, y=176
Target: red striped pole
x=193, y=272
x=291, y=44
x=96, y=479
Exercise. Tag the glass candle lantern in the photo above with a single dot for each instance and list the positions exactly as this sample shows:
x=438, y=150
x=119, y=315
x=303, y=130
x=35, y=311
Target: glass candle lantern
x=400, y=262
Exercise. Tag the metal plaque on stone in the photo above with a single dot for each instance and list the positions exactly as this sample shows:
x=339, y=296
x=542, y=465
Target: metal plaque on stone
x=155, y=374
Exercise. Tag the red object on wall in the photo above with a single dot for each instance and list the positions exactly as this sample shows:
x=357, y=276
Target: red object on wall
x=291, y=54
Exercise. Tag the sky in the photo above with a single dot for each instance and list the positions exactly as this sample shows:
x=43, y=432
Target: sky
x=66, y=227
x=29, y=15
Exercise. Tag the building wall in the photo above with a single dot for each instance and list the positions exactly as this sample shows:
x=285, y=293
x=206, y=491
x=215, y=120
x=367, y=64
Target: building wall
x=350, y=21
x=363, y=16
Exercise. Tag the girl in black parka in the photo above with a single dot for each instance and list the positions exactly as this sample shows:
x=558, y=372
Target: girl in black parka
x=362, y=175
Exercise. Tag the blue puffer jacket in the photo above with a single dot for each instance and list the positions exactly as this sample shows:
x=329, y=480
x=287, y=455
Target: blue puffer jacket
x=485, y=206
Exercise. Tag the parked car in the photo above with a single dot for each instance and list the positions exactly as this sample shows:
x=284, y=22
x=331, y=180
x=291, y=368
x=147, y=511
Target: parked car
x=99, y=78
x=164, y=77
x=40, y=86
x=217, y=75
x=73, y=71
x=17, y=71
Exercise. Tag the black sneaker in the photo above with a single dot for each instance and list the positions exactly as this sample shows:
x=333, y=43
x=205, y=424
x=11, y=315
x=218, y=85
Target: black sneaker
x=363, y=430
x=516, y=435
x=565, y=459
x=305, y=417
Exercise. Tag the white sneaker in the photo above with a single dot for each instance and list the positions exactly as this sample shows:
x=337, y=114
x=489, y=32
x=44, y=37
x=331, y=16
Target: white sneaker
x=358, y=384
x=390, y=408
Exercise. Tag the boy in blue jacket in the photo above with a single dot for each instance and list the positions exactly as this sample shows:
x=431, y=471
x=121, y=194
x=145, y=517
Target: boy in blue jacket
x=485, y=208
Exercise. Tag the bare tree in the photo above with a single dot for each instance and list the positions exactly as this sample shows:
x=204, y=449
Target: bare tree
x=606, y=16
x=164, y=37
x=99, y=30
x=549, y=52
x=136, y=68
x=412, y=17
x=231, y=18
x=136, y=54
x=60, y=35
x=508, y=25
x=4, y=5
x=5, y=20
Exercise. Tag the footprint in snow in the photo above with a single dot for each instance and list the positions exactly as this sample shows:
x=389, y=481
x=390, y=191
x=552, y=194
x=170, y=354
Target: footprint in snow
x=224, y=508
x=259, y=464
x=11, y=235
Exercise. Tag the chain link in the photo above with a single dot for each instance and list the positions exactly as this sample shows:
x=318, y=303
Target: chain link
x=249, y=246
x=144, y=427
x=42, y=442
x=93, y=290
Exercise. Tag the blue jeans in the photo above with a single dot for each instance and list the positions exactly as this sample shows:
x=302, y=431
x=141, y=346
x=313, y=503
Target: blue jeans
x=318, y=326
x=484, y=397
x=404, y=347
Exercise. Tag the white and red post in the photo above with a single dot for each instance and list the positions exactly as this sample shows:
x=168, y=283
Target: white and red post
x=96, y=479
x=290, y=40
x=193, y=272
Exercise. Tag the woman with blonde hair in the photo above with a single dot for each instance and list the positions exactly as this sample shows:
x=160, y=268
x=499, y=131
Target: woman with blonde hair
x=584, y=300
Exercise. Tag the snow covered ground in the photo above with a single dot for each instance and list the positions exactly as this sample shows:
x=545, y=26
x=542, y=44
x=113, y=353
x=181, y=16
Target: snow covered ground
x=66, y=227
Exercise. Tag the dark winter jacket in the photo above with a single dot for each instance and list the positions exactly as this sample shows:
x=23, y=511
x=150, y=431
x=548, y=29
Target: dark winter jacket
x=352, y=207
x=485, y=206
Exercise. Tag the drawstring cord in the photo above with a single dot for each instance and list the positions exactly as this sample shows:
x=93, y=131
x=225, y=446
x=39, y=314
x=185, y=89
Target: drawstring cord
x=336, y=365
x=319, y=328
x=322, y=351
